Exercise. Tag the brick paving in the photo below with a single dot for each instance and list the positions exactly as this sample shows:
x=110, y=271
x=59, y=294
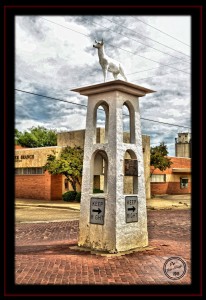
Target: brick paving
x=45, y=254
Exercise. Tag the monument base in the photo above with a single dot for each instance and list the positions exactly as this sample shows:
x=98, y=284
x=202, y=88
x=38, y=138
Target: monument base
x=109, y=253
x=123, y=245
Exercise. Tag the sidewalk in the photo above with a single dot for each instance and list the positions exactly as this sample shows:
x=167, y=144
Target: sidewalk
x=169, y=202
x=158, y=202
x=45, y=203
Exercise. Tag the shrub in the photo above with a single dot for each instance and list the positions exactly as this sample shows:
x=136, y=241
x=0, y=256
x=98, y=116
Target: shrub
x=78, y=197
x=69, y=196
x=97, y=191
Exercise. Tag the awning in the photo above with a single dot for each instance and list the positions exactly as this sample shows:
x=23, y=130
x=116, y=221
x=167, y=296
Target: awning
x=181, y=170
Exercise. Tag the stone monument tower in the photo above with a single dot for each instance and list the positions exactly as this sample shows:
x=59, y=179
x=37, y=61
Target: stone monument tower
x=112, y=220
x=183, y=145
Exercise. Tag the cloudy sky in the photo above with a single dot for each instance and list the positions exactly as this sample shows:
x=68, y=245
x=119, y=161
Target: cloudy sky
x=54, y=54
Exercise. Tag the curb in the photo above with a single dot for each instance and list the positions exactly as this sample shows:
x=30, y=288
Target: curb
x=47, y=206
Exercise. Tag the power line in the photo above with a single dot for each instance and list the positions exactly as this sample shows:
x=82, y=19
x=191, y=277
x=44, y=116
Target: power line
x=65, y=27
x=137, y=40
x=147, y=38
x=127, y=74
x=50, y=97
x=116, y=46
x=29, y=75
x=141, y=78
x=145, y=77
x=145, y=71
x=39, y=95
x=155, y=75
x=161, y=31
x=163, y=122
x=147, y=58
x=150, y=69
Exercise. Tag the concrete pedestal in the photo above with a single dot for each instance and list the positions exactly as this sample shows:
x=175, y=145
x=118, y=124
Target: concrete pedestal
x=113, y=221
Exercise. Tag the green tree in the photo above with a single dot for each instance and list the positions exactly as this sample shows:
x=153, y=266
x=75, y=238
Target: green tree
x=17, y=135
x=69, y=163
x=36, y=137
x=158, y=157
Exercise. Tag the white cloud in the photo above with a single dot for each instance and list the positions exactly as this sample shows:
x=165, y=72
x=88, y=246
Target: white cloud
x=51, y=60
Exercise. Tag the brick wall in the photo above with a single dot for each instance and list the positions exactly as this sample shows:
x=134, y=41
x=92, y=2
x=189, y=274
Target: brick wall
x=30, y=186
x=160, y=188
x=174, y=188
x=45, y=187
x=47, y=184
x=56, y=187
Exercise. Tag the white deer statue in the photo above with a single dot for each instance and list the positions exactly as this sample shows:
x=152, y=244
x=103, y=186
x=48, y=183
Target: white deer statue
x=107, y=63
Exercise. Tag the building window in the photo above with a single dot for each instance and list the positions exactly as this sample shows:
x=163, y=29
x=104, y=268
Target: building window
x=183, y=183
x=66, y=184
x=18, y=171
x=25, y=171
x=158, y=178
x=28, y=171
x=39, y=171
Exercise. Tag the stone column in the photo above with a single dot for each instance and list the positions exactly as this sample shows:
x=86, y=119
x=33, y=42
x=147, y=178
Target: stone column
x=113, y=221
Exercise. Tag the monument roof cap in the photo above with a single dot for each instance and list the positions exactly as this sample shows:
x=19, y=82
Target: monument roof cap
x=114, y=85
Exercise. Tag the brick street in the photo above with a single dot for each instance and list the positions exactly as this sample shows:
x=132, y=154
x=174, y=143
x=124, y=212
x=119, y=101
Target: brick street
x=46, y=253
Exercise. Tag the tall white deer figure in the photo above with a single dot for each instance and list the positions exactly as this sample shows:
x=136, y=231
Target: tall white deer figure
x=107, y=63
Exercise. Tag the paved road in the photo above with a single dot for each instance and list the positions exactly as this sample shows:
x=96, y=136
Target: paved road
x=32, y=210
x=33, y=214
x=47, y=253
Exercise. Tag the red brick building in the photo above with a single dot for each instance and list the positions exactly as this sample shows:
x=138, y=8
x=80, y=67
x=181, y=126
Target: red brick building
x=32, y=182
x=175, y=180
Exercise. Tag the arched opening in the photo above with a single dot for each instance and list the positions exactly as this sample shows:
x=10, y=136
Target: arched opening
x=130, y=169
x=99, y=172
x=128, y=118
x=101, y=115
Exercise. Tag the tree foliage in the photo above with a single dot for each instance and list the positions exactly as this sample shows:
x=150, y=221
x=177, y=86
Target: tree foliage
x=70, y=164
x=36, y=137
x=158, y=157
x=17, y=135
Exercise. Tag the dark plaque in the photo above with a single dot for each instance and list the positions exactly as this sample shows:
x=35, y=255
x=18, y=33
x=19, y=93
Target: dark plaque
x=97, y=207
x=131, y=209
x=130, y=167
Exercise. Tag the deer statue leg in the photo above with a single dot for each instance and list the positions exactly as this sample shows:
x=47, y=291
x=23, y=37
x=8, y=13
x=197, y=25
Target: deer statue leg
x=105, y=74
x=122, y=73
x=115, y=76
